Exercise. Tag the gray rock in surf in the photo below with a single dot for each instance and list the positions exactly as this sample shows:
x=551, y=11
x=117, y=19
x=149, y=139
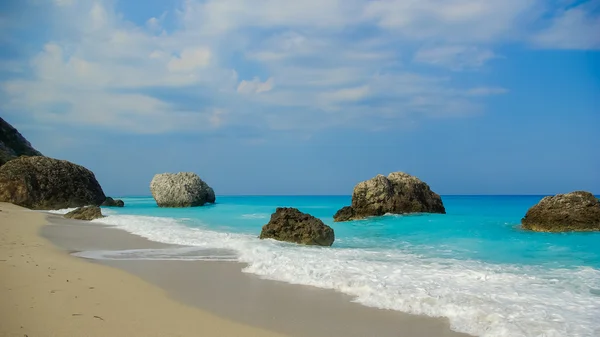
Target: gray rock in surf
x=398, y=193
x=183, y=189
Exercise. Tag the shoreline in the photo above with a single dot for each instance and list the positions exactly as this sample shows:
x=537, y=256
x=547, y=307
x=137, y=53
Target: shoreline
x=223, y=290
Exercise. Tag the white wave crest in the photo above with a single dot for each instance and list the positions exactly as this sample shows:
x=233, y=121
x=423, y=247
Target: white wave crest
x=479, y=298
x=61, y=211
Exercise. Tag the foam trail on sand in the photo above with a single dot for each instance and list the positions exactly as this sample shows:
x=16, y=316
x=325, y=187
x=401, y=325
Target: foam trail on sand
x=62, y=211
x=178, y=254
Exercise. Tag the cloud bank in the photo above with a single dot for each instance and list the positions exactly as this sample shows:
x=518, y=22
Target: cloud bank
x=273, y=65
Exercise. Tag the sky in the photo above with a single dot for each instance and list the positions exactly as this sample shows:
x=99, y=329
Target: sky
x=310, y=97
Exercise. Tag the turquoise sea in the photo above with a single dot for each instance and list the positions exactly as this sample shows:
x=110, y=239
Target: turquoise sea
x=473, y=265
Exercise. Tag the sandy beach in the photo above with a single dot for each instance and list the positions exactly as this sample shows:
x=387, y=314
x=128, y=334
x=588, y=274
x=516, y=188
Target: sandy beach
x=47, y=292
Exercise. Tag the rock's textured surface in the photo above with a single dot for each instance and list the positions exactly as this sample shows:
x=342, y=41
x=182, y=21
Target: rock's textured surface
x=184, y=189
x=85, y=213
x=13, y=144
x=110, y=202
x=575, y=211
x=398, y=193
x=345, y=213
x=46, y=183
x=291, y=225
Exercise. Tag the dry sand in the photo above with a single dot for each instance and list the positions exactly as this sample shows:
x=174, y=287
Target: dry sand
x=46, y=292
x=99, y=300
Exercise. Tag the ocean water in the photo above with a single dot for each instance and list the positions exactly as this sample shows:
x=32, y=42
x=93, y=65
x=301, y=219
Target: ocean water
x=473, y=265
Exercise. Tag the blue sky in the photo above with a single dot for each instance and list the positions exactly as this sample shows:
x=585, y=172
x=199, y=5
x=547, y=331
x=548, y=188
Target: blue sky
x=278, y=97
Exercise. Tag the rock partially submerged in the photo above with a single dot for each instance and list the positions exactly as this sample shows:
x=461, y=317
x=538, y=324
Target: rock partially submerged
x=47, y=183
x=110, y=202
x=85, y=213
x=398, y=193
x=291, y=225
x=13, y=144
x=575, y=211
x=345, y=213
x=184, y=189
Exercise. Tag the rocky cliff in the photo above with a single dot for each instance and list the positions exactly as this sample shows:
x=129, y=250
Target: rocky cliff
x=13, y=144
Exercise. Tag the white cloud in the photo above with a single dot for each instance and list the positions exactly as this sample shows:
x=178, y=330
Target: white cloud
x=450, y=20
x=153, y=24
x=285, y=45
x=97, y=68
x=128, y=112
x=78, y=79
x=573, y=28
x=190, y=60
x=98, y=16
x=455, y=57
x=346, y=94
x=153, y=69
x=255, y=86
x=217, y=117
x=221, y=16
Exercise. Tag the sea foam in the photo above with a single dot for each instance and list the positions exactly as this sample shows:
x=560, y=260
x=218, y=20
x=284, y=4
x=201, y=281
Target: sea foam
x=479, y=298
x=61, y=211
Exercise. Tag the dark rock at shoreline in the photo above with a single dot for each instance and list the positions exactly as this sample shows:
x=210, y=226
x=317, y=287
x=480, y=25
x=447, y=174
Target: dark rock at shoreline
x=13, y=144
x=183, y=189
x=398, y=193
x=47, y=183
x=575, y=211
x=291, y=225
x=85, y=213
x=110, y=202
x=344, y=214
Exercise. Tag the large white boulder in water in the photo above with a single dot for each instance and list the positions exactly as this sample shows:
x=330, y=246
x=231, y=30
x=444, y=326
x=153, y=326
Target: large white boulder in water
x=183, y=189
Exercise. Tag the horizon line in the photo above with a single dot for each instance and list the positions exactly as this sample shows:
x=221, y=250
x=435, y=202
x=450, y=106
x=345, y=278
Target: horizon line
x=348, y=195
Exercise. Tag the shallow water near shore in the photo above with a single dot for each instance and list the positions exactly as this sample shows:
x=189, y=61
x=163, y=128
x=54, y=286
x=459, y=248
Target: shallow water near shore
x=472, y=265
